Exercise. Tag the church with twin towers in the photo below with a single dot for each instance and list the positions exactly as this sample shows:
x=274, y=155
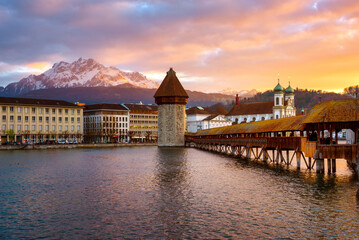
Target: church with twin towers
x=282, y=106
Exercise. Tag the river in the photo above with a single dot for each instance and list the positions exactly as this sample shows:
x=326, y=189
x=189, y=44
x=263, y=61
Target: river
x=169, y=193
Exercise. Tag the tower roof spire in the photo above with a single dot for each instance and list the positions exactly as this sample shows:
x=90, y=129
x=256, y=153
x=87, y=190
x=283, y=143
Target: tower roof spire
x=171, y=90
x=278, y=88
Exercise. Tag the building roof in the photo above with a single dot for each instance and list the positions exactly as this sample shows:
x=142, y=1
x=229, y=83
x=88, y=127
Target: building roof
x=171, y=86
x=214, y=116
x=276, y=125
x=199, y=110
x=37, y=102
x=209, y=118
x=141, y=107
x=221, y=110
x=252, y=108
x=105, y=106
x=289, y=90
x=344, y=110
x=278, y=88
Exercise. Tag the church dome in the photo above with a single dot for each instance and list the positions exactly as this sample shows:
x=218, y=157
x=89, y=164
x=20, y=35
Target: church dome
x=289, y=90
x=278, y=88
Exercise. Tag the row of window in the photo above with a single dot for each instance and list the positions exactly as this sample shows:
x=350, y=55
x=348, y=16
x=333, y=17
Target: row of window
x=33, y=119
x=141, y=122
x=40, y=110
x=144, y=116
x=47, y=127
x=117, y=125
x=115, y=119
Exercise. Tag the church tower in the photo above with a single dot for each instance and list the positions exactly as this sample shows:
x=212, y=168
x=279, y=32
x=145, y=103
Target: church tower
x=278, y=108
x=171, y=99
x=289, y=97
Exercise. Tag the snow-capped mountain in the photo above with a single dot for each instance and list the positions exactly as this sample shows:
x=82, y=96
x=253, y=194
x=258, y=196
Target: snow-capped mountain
x=81, y=73
x=241, y=93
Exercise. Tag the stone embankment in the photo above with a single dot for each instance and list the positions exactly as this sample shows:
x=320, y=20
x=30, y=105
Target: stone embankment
x=71, y=146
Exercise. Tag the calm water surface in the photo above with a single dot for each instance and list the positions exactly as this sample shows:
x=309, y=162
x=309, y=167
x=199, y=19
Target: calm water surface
x=163, y=193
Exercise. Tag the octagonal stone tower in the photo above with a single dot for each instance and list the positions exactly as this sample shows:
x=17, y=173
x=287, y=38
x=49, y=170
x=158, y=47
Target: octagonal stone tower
x=171, y=99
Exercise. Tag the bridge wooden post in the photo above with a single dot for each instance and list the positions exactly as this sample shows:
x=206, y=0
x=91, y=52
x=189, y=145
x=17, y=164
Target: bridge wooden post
x=334, y=165
x=329, y=163
x=320, y=165
x=278, y=156
x=248, y=154
x=309, y=163
x=288, y=160
x=265, y=157
x=299, y=156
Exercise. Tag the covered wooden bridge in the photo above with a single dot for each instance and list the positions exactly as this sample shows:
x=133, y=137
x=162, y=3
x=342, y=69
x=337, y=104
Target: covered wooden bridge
x=312, y=137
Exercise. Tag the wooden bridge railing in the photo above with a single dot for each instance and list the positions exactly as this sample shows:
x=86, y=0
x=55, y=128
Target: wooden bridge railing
x=346, y=151
x=284, y=143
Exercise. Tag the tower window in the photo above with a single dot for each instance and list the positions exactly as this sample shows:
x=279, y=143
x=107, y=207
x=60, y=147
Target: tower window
x=277, y=101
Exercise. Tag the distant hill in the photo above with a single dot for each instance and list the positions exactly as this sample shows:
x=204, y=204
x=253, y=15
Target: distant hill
x=303, y=98
x=124, y=93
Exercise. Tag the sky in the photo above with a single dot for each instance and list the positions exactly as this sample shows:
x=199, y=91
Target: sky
x=211, y=44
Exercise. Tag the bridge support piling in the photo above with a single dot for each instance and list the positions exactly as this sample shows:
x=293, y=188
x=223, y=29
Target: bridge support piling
x=288, y=160
x=233, y=152
x=278, y=157
x=310, y=163
x=248, y=153
x=265, y=157
x=299, y=156
x=334, y=165
x=329, y=163
x=320, y=165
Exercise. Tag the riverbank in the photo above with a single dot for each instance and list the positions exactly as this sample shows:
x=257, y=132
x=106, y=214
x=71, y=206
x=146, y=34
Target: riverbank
x=71, y=146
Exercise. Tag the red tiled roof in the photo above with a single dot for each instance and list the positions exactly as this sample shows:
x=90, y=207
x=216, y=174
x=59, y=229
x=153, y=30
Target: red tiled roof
x=171, y=86
x=252, y=108
x=221, y=110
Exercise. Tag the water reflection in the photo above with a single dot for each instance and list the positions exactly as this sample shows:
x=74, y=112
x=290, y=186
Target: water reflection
x=172, y=177
x=169, y=193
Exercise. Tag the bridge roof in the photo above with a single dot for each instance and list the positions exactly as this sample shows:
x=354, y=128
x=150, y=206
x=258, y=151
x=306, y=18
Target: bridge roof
x=276, y=125
x=344, y=110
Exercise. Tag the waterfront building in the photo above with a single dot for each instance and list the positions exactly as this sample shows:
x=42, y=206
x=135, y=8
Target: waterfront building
x=171, y=99
x=105, y=122
x=199, y=118
x=37, y=120
x=143, y=122
x=282, y=106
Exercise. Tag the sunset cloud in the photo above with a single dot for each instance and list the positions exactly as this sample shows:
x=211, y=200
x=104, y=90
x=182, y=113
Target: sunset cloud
x=212, y=44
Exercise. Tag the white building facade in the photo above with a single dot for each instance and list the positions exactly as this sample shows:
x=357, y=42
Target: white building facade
x=281, y=107
x=106, y=122
x=199, y=118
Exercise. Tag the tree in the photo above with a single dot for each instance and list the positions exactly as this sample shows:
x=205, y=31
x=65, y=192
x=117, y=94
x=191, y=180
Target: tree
x=352, y=91
x=11, y=134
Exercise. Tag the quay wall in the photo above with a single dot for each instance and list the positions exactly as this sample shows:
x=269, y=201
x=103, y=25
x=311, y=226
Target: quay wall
x=72, y=146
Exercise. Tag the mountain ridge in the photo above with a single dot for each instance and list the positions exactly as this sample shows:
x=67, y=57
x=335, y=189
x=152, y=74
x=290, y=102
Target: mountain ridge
x=80, y=73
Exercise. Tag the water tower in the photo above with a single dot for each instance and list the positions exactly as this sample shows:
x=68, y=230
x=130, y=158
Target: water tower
x=171, y=99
